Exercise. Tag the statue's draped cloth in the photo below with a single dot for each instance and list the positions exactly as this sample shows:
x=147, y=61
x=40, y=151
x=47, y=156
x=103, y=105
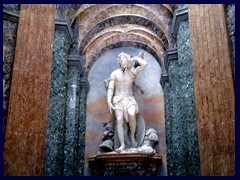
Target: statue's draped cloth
x=123, y=103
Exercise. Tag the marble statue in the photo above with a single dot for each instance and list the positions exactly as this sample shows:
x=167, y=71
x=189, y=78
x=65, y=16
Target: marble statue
x=127, y=133
x=120, y=96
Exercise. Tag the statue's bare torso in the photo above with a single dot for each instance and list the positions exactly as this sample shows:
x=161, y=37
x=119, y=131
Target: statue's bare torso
x=123, y=82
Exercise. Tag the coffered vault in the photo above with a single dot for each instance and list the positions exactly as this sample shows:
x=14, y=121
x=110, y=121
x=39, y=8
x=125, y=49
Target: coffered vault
x=101, y=25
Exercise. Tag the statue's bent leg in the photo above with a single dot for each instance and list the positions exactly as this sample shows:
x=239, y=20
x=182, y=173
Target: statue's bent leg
x=132, y=124
x=120, y=130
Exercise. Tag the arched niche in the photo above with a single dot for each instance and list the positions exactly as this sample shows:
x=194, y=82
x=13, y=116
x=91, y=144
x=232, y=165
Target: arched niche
x=151, y=103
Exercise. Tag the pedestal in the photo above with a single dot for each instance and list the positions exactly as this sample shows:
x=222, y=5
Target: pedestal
x=124, y=164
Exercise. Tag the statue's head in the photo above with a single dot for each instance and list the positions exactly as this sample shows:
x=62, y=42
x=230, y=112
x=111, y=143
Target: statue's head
x=124, y=60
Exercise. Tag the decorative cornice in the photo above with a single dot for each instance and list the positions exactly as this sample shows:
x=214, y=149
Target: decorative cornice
x=84, y=82
x=170, y=54
x=125, y=158
x=179, y=15
x=64, y=25
x=10, y=16
x=164, y=79
x=75, y=60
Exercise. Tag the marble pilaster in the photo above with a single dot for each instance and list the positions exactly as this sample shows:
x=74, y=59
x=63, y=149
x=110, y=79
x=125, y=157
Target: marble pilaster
x=72, y=116
x=57, y=106
x=25, y=135
x=214, y=88
x=181, y=124
x=84, y=88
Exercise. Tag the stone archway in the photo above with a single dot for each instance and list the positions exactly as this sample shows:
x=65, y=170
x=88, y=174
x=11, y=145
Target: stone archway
x=103, y=30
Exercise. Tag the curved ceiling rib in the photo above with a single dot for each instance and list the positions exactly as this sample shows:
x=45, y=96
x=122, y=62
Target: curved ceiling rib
x=123, y=43
x=117, y=20
x=101, y=25
x=168, y=7
x=90, y=15
x=85, y=7
x=112, y=38
x=127, y=28
x=158, y=10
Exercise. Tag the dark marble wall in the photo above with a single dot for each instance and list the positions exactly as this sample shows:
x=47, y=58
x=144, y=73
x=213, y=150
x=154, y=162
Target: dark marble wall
x=66, y=11
x=57, y=106
x=9, y=42
x=181, y=126
x=74, y=45
x=178, y=6
x=231, y=31
x=12, y=7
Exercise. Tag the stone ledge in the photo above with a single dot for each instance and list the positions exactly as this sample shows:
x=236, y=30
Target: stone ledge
x=75, y=60
x=10, y=16
x=164, y=79
x=170, y=54
x=179, y=15
x=114, y=157
x=64, y=25
x=84, y=82
x=135, y=164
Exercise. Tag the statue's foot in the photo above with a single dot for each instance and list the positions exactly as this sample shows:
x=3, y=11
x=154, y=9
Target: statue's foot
x=120, y=149
x=134, y=143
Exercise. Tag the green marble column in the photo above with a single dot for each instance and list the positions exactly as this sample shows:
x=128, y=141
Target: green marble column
x=72, y=116
x=54, y=158
x=84, y=88
x=181, y=124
